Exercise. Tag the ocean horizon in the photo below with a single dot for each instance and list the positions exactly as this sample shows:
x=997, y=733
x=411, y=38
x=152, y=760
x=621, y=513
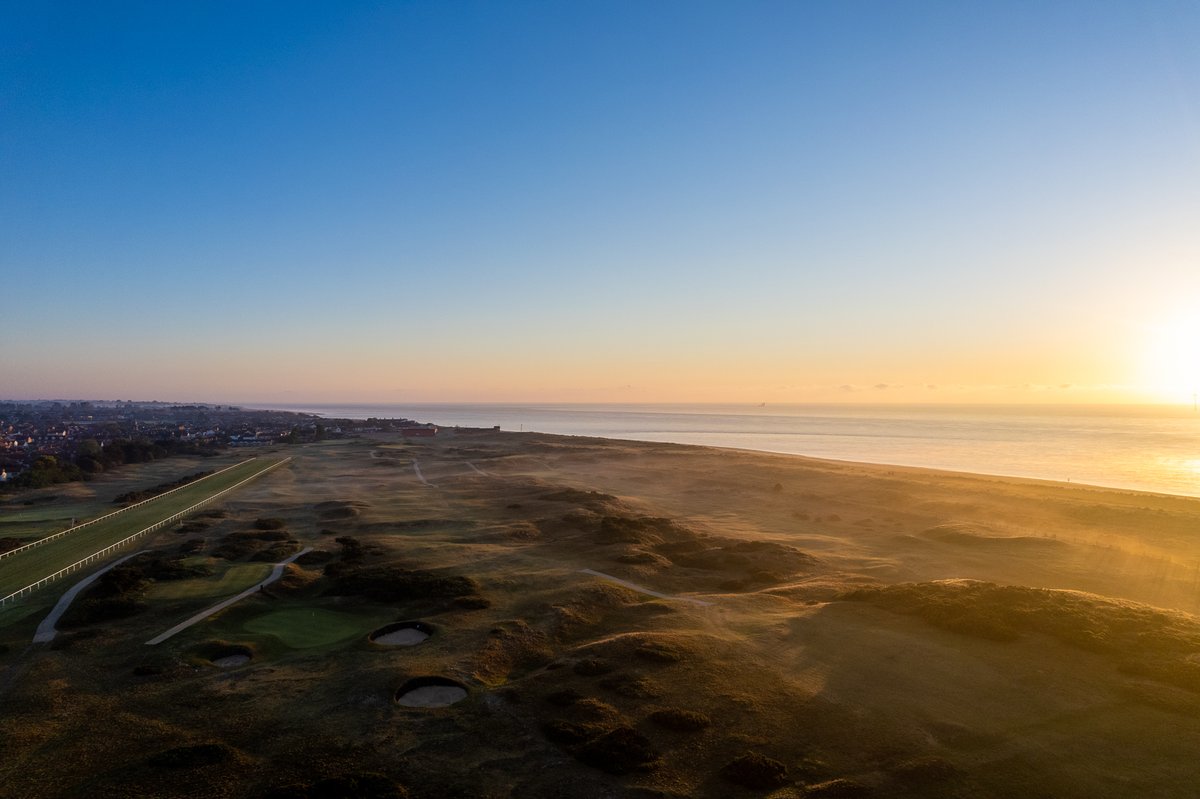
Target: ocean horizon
x=1137, y=447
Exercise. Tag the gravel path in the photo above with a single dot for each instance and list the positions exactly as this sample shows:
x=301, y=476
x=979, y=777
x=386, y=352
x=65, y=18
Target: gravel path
x=421, y=477
x=48, y=628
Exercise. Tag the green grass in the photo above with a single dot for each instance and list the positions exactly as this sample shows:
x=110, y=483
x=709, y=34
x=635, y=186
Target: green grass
x=18, y=611
x=238, y=577
x=28, y=567
x=92, y=498
x=308, y=628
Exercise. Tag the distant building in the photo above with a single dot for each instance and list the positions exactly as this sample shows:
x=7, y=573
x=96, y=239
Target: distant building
x=419, y=431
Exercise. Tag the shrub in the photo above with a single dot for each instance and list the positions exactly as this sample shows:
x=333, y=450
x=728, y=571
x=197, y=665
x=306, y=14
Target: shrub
x=565, y=697
x=192, y=546
x=192, y=756
x=754, y=770
x=592, y=667
x=393, y=584
x=618, y=751
x=673, y=718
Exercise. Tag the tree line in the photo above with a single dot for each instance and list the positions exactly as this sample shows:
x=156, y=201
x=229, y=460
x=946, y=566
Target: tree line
x=92, y=458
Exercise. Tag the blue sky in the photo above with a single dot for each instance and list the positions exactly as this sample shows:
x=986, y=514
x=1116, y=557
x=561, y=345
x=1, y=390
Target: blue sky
x=597, y=201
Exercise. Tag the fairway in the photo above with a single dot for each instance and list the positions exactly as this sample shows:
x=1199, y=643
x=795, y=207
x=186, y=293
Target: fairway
x=31, y=565
x=238, y=577
x=305, y=628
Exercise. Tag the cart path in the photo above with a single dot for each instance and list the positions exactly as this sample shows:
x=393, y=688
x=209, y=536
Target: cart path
x=275, y=574
x=48, y=628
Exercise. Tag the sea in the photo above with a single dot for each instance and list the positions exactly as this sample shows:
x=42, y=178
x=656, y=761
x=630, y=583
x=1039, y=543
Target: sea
x=1141, y=447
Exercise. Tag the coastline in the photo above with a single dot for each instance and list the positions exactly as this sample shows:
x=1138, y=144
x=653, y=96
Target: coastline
x=1137, y=448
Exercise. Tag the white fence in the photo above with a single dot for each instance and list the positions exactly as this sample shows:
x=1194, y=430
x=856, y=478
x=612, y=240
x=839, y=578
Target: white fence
x=157, y=525
x=70, y=530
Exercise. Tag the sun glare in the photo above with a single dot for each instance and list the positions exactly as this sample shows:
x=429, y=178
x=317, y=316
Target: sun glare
x=1172, y=369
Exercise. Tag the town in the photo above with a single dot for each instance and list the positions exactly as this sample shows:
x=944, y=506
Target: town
x=45, y=442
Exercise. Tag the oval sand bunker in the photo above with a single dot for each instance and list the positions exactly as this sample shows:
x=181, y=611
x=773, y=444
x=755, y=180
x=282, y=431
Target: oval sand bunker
x=402, y=633
x=230, y=657
x=231, y=661
x=430, y=692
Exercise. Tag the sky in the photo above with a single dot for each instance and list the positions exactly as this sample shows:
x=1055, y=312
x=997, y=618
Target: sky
x=600, y=201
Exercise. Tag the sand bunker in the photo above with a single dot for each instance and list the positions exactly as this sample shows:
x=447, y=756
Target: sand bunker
x=430, y=692
x=402, y=633
x=231, y=661
x=231, y=657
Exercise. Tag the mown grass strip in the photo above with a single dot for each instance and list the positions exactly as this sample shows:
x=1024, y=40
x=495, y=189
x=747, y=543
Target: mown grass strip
x=55, y=536
x=32, y=565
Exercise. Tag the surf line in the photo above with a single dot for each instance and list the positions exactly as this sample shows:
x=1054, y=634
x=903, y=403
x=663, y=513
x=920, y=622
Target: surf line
x=276, y=573
x=643, y=590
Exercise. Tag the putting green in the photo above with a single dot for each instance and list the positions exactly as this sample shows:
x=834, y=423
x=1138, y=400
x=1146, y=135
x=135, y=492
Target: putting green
x=305, y=628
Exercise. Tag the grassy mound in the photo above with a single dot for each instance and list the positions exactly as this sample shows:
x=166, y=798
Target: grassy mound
x=754, y=770
x=1145, y=641
x=344, y=786
x=679, y=720
x=208, y=754
x=392, y=584
x=260, y=545
x=618, y=751
x=119, y=593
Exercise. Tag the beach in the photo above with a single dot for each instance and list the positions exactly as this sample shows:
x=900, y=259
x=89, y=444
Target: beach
x=1140, y=447
x=617, y=618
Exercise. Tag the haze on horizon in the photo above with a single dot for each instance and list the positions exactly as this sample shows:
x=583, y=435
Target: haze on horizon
x=612, y=201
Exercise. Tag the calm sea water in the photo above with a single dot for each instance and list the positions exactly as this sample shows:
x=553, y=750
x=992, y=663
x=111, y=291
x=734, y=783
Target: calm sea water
x=1151, y=448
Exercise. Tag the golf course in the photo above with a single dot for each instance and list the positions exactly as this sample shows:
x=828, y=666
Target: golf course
x=493, y=614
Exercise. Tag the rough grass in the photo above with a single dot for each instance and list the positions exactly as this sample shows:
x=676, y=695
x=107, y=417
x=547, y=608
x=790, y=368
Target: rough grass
x=396, y=584
x=755, y=770
x=238, y=577
x=1146, y=641
x=680, y=720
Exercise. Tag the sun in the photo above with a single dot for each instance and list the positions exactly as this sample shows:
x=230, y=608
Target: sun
x=1172, y=365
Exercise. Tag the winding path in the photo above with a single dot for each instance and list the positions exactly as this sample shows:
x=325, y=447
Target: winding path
x=48, y=628
x=276, y=573
x=421, y=477
x=644, y=590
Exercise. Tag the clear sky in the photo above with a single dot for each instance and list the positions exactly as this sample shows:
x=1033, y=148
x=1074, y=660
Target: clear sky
x=600, y=201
